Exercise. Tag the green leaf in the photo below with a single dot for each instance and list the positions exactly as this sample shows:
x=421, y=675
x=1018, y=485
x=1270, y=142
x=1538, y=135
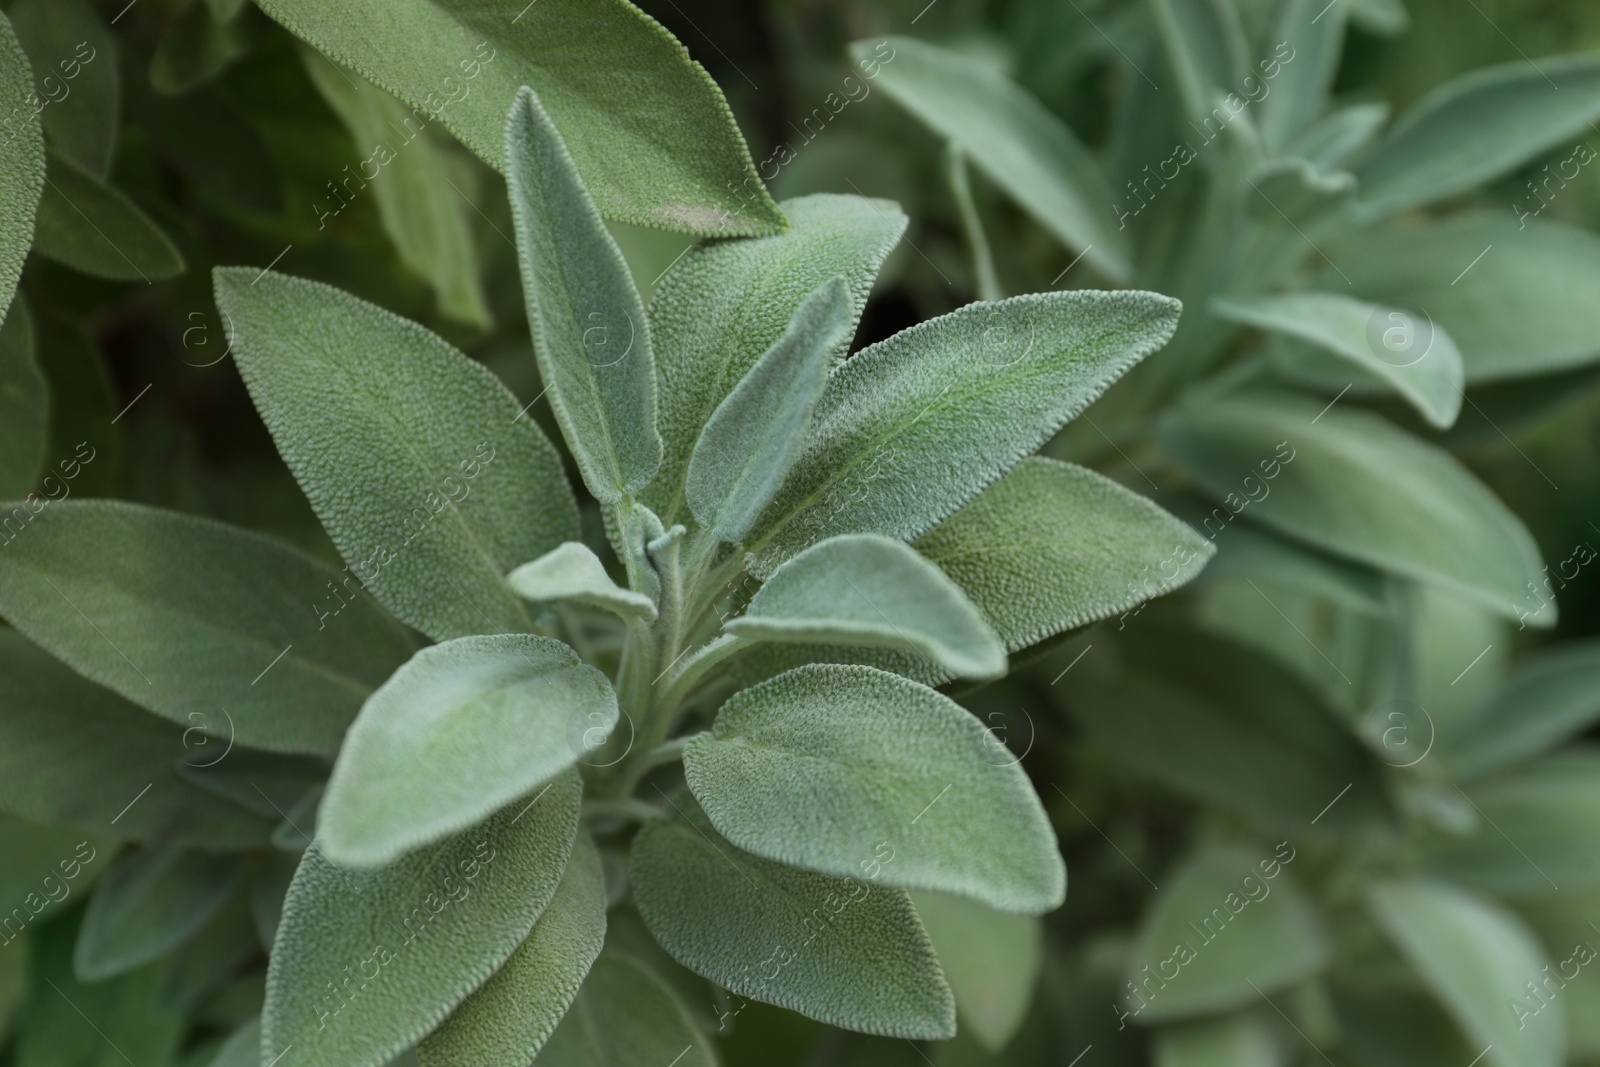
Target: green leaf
x=828, y=767
x=1386, y=18
x=1417, y=359
x=751, y=440
x=1330, y=142
x=104, y=767
x=506, y=1021
x=74, y=58
x=459, y=485
x=657, y=148
x=83, y=441
x=1549, y=700
x=1206, y=51
x=1230, y=1041
x=866, y=590
x=1227, y=927
x=1477, y=127
x=92, y=227
x=726, y=302
x=573, y=572
x=194, y=50
x=841, y=951
x=151, y=902
x=1295, y=98
x=465, y=728
x=434, y=927
x=46, y=865
x=213, y=958
x=589, y=329
x=991, y=959
x=1354, y=484
x=1476, y=959
x=204, y=624
x=22, y=164
x=1011, y=137
x=912, y=428
x=1254, y=553
x=243, y=1047
x=24, y=405
x=1052, y=546
x=419, y=186
x=626, y=1016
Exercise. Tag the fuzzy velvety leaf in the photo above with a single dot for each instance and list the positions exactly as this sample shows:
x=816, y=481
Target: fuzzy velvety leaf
x=1230, y=1041
x=573, y=572
x=505, y=1022
x=1547, y=701
x=589, y=330
x=24, y=405
x=657, y=148
x=830, y=766
x=96, y=229
x=465, y=728
x=434, y=927
x=21, y=163
x=912, y=428
x=204, y=624
x=74, y=60
x=626, y=1016
x=457, y=486
x=1052, y=546
x=842, y=951
x=991, y=959
x=150, y=902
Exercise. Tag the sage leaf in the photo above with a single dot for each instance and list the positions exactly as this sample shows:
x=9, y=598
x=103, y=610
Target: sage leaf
x=752, y=438
x=1547, y=701
x=22, y=164
x=913, y=427
x=435, y=926
x=1475, y=958
x=24, y=405
x=1206, y=51
x=868, y=591
x=242, y=1048
x=1228, y=1041
x=1052, y=546
x=1295, y=97
x=829, y=767
x=626, y=1016
x=94, y=228
x=589, y=330
x=151, y=901
x=204, y=624
x=506, y=1021
x=841, y=951
x=1352, y=483
x=1253, y=553
x=1329, y=142
x=991, y=959
x=36, y=851
x=489, y=718
x=459, y=485
x=1386, y=18
x=726, y=302
x=572, y=571
x=66, y=40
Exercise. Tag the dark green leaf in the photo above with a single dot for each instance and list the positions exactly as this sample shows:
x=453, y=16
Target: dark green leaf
x=991, y=959
x=22, y=166
x=24, y=405
x=74, y=60
x=626, y=1016
x=93, y=228
x=152, y=901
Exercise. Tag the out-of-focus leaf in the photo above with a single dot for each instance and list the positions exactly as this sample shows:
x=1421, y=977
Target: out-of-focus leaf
x=1547, y=701
x=24, y=405
x=74, y=60
x=991, y=959
x=243, y=1047
x=85, y=451
x=1333, y=139
x=208, y=961
x=47, y=865
x=93, y=228
x=626, y=1016
x=573, y=572
x=22, y=164
x=1294, y=99
x=1386, y=18
x=214, y=143
x=1206, y=51
x=1254, y=553
x=1230, y=1041
x=150, y=902
x=195, y=49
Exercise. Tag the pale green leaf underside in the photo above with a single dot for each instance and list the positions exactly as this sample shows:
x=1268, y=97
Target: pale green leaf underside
x=817, y=766
x=407, y=943
x=841, y=951
x=626, y=1016
x=94, y=228
x=572, y=571
x=150, y=903
x=1052, y=546
x=24, y=406
x=866, y=590
x=1012, y=138
x=913, y=427
x=1228, y=1041
x=589, y=329
x=419, y=462
x=991, y=959
x=750, y=441
x=1548, y=700
x=188, y=617
x=465, y=728
x=505, y=1022
x=659, y=147
x=21, y=164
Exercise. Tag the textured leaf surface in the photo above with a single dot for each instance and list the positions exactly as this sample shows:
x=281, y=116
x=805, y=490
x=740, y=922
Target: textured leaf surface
x=367, y=962
x=589, y=330
x=991, y=959
x=416, y=459
x=463, y=729
x=94, y=228
x=1231, y=1041
x=1052, y=546
x=626, y=1016
x=1548, y=700
x=822, y=765
x=504, y=1023
x=866, y=590
x=1011, y=137
x=1359, y=487
x=842, y=951
x=726, y=302
x=573, y=572
x=188, y=617
x=658, y=148
x=151, y=901
x=910, y=429
x=21, y=164
x=24, y=405
x=74, y=58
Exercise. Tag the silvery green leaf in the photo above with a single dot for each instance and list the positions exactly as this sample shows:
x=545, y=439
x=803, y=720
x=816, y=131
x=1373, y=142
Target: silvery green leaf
x=465, y=728
x=1329, y=142
x=913, y=427
x=1229, y=1041
x=506, y=1021
x=149, y=903
x=22, y=164
x=841, y=951
x=208, y=625
x=572, y=571
x=1052, y=546
x=832, y=767
x=459, y=485
x=1548, y=700
x=1386, y=18
x=74, y=56
x=1293, y=100
x=94, y=228
x=24, y=405
x=589, y=330
x=1010, y=136
x=1418, y=360
x=1206, y=51
x=1254, y=553
x=724, y=303
x=432, y=927
x=626, y=1016
x=751, y=440
x=991, y=959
